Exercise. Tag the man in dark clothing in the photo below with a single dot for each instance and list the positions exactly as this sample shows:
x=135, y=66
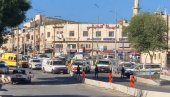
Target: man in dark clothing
x=78, y=70
x=122, y=72
x=96, y=71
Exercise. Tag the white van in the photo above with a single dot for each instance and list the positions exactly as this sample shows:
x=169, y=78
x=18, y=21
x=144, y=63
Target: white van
x=55, y=66
x=147, y=69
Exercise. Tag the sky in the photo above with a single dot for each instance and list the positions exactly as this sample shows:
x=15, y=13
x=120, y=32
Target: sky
x=94, y=11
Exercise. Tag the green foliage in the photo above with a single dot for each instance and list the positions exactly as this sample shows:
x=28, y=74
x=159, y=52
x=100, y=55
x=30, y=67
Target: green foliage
x=147, y=32
x=12, y=13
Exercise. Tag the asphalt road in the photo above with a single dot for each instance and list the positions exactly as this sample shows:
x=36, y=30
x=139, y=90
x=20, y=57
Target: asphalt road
x=125, y=81
x=56, y=85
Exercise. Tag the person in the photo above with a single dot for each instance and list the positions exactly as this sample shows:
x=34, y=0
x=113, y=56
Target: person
x=122, y=72
x=96, y=71
x=78, y=70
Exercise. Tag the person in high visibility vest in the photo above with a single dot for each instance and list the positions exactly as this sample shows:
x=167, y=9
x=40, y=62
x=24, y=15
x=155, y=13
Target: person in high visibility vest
x=132, y=81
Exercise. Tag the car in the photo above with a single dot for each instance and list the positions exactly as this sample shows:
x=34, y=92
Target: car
x=104, y=65
x=83, y=64
x=35, y=63
x=55, y=66
x=128, y=66
x=4, y=69
x=147, y=69
x=166, y=71
x=21, y=75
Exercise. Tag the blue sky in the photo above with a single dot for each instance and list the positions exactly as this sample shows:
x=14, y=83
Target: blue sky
x=94, y=11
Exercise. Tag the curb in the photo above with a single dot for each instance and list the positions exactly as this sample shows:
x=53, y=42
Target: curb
x=128, y=90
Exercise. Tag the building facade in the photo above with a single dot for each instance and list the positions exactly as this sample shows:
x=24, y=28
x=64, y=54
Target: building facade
x=69, y=37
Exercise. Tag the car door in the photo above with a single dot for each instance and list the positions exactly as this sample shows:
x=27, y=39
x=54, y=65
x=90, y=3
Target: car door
x=46, y=66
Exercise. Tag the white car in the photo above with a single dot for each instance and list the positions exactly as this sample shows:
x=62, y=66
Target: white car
x=55, y=66
x=82, y=64
x=35, y=63
x=147, y=69
x=104, y=65
x=21, y=75
x=4, y=68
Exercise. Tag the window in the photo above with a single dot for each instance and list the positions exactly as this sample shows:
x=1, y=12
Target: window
x=48, y=34
x=111, y=33
x=85, y=33
x=71, y=33
x=98, y=33
x=31, y=37
x=71, y=46
x=59, y=45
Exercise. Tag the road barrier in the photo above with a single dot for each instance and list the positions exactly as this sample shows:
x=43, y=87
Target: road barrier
x=128, y=90
x=5, y=79
x=125, y=89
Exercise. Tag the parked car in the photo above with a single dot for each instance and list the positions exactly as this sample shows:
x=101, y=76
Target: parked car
x=55, y=66
x=4, y=69
x=147, y=69
x=21, y=75
x=35, y=63
x=104, y=65
x=166, y=71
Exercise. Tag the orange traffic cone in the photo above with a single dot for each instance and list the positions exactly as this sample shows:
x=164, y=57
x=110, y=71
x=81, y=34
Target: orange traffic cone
x=110, y=77
x=132, y=81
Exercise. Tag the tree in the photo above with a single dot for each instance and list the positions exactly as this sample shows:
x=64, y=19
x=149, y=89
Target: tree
x=147, y=33
x=12, y=13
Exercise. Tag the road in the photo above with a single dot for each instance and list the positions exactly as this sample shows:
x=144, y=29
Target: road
x=125, y=81
x=56, y=85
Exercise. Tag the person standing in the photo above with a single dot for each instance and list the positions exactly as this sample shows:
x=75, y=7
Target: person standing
x=122, y=72
x=78, y=70
x=96, y=71
x=132, y=81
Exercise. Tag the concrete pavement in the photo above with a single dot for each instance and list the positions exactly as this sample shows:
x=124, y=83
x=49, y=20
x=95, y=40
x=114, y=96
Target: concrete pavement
x=54, y=85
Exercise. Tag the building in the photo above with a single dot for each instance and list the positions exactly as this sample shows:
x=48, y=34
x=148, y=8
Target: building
x=68, y=36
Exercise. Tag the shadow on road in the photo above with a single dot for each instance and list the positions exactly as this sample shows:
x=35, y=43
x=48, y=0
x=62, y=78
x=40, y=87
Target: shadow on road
x=55, y=81
x=105, y=78
x=46, y=96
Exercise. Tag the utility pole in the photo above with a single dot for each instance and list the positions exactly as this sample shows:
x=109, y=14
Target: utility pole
x=78, y=38
x=92, y=41
x=17, y=56
x=54, y=40
x=34, y=39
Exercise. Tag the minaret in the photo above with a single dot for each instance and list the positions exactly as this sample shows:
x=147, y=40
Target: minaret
x=136, y=7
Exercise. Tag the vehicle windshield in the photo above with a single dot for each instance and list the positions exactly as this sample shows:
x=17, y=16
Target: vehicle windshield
x=36, y=61
x=58, y=62
x=2, y=65
x=103, y=62
x=152, y=66
x=128, y=65
x=19, y=72
x=43, y=56
x=78, y=63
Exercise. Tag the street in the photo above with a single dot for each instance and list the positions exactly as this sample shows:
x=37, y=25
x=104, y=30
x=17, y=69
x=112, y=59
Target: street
x=56, y=85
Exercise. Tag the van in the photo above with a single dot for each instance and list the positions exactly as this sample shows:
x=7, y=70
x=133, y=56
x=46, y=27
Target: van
x=147, y=69
x=10, y=60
